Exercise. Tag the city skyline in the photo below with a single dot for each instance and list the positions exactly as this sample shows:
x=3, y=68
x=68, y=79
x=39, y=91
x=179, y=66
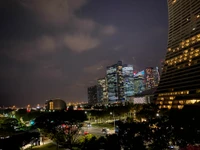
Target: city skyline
x=60, y=49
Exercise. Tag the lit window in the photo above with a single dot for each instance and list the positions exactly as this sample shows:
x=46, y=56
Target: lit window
x=181, y=102
x=174, y=1
x=180, y=106
x=170, y=102
x=198, y=16
x=191, y=101
x=169, y=107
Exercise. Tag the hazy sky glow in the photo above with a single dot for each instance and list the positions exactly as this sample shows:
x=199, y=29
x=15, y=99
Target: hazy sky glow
x=57, y=48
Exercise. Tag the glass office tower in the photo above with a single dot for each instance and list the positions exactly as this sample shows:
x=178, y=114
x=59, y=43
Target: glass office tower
x=127, y=72
x=180, y=79
x=115, y=82
x=139, y=82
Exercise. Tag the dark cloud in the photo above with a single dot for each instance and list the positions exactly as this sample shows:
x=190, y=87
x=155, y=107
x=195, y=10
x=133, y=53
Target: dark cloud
x=57, y=48
x=80, y=43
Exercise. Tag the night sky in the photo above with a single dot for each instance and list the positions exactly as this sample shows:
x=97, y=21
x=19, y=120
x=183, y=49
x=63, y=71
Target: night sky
x=57, y=48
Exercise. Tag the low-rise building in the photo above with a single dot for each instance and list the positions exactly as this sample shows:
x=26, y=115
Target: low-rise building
x=55, y=105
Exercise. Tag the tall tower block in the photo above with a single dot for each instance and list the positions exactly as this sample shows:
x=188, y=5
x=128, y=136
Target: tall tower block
x=180, y=79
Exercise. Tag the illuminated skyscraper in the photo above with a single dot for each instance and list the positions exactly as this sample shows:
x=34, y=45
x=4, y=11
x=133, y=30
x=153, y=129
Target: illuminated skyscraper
x=180, y=80
x=152, y=77
x=149, y=78
x=156, y=76
x=102, y=93
x=139, y=82
x=127, y=72
x=115, y=82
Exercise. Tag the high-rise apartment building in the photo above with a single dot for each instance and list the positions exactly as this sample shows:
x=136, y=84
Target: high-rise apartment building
x=102, y=93
x=92, y=95
x=115, y=82
x=180, y=80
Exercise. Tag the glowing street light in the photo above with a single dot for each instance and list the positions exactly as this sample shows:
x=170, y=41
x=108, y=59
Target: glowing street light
x=112, y=113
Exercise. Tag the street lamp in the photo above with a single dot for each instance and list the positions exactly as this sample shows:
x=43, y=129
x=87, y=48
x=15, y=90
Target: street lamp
x=112, y=113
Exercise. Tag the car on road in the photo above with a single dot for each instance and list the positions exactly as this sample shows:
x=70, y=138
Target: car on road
x=105, y=130
x=89, y=125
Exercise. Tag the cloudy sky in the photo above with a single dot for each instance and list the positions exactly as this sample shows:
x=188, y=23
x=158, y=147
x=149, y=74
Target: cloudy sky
x=57, y=48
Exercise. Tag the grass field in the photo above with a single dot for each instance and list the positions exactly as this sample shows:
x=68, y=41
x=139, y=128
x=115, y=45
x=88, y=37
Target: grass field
x=49, y=146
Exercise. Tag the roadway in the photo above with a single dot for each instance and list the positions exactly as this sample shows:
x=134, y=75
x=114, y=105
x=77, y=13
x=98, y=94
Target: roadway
x=96, y=131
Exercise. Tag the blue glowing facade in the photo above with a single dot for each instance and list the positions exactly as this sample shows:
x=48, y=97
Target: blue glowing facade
x=139, y=82
x=127, y=72
x=115, y=82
